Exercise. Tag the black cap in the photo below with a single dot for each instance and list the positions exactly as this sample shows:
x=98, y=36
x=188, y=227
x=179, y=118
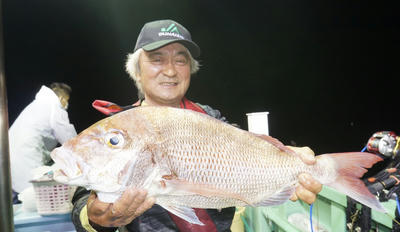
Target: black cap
x=159, y=33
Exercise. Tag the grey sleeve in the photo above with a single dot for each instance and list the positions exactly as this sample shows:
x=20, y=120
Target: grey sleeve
x=216, y=114
x=76, y=210
x=79, y=201
x=213, y=112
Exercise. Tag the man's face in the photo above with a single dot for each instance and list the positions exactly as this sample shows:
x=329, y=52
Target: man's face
x=165, y=74
x=64, y=98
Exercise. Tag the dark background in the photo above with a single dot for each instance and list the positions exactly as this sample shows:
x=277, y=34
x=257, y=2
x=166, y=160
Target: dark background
x=327, y=71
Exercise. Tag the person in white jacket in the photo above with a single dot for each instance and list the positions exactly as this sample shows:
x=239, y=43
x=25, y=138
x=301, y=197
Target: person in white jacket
x=38, y=129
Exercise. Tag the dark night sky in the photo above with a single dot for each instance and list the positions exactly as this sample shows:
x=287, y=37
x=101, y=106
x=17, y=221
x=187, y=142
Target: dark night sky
x=325, y=70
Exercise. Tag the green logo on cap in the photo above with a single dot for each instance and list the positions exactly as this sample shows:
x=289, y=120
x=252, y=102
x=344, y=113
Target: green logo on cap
x=172, y=29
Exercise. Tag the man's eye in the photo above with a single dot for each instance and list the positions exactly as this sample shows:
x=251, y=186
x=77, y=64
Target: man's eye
x=181, y=61
x=156, y=60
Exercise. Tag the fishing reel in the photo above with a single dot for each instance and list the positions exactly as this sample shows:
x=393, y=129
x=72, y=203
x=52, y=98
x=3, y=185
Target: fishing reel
x=388, y=180
x=384, y=183
x=385, y=143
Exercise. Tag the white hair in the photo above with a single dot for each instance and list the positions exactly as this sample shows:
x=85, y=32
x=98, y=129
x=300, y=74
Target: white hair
x=132, y=67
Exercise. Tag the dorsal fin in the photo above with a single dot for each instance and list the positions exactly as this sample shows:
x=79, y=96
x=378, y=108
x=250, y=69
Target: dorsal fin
x=275, y=142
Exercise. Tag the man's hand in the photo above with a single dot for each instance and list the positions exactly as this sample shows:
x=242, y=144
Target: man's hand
x=308, y=187
x=132, y=204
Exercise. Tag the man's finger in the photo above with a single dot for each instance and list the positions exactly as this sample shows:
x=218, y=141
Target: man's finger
x=149, y=202
x=96, y=207
x=305, y=195
x=136, y=202
x=121, y=206
x=294, y=197
x=309, y=183
x=306, y=155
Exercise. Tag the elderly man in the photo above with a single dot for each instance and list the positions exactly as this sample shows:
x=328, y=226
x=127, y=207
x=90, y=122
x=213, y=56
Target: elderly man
x=161, y=66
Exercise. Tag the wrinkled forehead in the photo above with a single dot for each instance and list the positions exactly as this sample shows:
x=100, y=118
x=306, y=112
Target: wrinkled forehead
x=173, y=49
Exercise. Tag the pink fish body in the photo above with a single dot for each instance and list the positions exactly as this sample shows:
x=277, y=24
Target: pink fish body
x=190, y=160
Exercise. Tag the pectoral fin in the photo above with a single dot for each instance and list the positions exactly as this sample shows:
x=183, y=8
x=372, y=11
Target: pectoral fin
x=277, y=198
x=188, y=188
x=183, y=212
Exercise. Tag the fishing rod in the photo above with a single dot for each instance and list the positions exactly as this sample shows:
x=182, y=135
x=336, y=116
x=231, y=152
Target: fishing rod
x=6, y=219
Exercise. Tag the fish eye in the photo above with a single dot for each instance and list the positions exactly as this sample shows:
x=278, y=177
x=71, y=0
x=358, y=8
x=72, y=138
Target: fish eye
x=114, y=139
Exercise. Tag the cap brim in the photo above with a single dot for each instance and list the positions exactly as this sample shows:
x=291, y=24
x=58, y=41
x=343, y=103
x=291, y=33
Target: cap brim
x=191, y=46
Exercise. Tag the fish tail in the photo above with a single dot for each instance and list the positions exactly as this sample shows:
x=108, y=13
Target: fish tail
x=350, y=167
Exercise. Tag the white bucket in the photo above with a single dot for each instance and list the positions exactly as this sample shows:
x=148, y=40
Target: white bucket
x=258, y=122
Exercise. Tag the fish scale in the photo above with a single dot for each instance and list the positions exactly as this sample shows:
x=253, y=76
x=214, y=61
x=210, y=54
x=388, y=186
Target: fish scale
x=249, y=161
x=186, y=160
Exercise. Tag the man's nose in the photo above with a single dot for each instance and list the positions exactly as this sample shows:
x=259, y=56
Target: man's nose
x=169, y=69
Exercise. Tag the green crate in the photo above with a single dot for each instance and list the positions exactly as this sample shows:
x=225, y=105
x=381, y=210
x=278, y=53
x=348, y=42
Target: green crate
x=328, y=211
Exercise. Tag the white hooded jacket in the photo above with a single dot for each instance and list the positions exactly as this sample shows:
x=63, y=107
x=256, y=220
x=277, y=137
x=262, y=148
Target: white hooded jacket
x=35, y=133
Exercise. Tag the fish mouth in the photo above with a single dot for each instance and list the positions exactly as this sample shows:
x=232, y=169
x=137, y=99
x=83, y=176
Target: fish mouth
x=67, y=168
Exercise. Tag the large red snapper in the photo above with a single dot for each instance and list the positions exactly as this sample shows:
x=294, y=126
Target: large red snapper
x=190, y=160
